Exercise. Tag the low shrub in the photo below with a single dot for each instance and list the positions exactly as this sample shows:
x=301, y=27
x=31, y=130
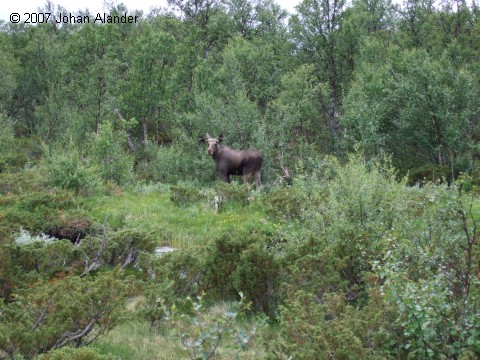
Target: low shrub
x=120, y=248
x=57, y=213
x=26, y=180
x=184, y=193
x=429, y=173
x=170, y=276
x=241, y=262
x=73, y=311
x=171, y=164
x=42, y=254
x=68, y=353
x=203, y=331
x=17, y=152
x=233, y=192
x=67, y=169
x=284, y=203
x=108, y=155
x=331, y=328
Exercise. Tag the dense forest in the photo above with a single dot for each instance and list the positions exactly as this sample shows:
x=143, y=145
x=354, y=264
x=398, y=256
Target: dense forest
x=117, y=241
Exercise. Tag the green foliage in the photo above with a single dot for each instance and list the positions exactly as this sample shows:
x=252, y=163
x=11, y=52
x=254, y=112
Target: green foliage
x=201, y=332
x=68, y=170
x=241, y=262
x=257, y=274
x=42, y=254
x=430, y=173
x=108, y=153
x=284, y=203
x=9, y=67
x=117, y=248
x=27, y=180
x=50, y=315
x=151, y=56
x=68, y=353
x=183, y=194
x=239, y=68
x=298, y=113
x=233, y=192
x=430, y=274
x=222, y=257
x=57, y=213
x=173, y=164
x=327, y=261
x=174, y=275
x=415, y=246
x=320, y=330
x=416, y=107
x=7, y=141
x=352, y=261
x=469, y=182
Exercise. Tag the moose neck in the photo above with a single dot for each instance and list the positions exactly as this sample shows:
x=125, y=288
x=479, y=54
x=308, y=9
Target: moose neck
x=216, y=154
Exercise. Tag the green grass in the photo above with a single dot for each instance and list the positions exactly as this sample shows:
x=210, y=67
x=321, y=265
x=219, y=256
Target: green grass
x=135, y=340
x=177, y=226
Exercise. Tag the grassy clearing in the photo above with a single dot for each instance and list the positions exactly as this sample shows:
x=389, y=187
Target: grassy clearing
x=136, y=340
x=177, y=226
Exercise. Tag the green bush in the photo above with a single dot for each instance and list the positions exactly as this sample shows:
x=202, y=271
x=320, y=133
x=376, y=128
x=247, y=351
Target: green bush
x=57, y=213
x=221, y=261
x=431, y=275
x=469, y=182
x=331, y=328
x=173, y=275
x=7, y=142
x=73, y=311
x=413, y=248
x=43, y=254
x=348, y=226
x=68, y=353
x=173, y=164
x=202, y=331
x=67, y=170
x=32, y=258
x=257, y=276
x=184, y=193
x=241, y=262
x=429, y=173
x=26, y=180
x=117, y=248
x=233, y=192
x=284, y=203
x=108, y=154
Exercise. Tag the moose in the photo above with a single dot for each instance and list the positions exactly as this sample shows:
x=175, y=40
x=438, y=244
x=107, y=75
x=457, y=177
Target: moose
x=229, y=161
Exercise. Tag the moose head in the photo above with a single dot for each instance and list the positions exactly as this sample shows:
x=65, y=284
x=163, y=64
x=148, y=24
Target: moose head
x=213, y=143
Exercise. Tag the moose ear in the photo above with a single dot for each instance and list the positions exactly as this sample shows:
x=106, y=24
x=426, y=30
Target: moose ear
x=204, y=138
x=221, y=137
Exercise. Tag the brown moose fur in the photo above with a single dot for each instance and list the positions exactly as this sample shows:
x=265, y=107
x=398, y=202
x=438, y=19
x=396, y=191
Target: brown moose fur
x=229, y=161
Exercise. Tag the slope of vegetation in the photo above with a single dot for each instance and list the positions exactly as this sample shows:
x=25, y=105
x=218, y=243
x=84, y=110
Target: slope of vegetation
x=363, y=242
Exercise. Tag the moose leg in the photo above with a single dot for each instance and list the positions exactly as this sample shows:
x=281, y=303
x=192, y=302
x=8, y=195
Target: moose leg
x=225, y=177
x=246, y=177
x=258, y=182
